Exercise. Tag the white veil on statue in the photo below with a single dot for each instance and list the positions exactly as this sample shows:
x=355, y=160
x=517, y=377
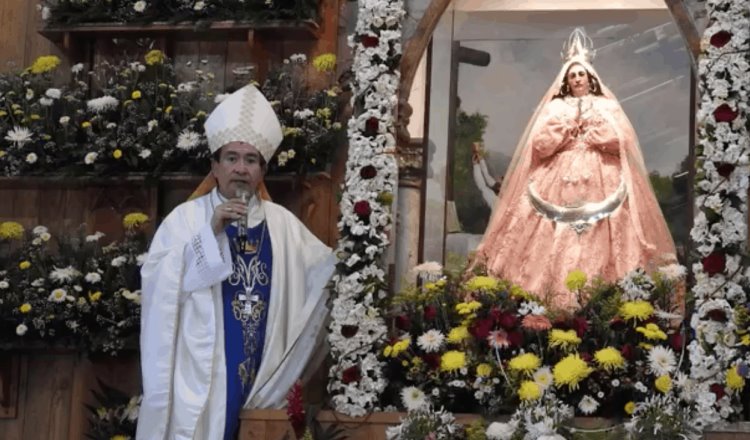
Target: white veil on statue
x=647, y=219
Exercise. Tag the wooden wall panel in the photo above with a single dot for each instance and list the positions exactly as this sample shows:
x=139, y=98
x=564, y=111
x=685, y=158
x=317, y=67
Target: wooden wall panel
x=13, y=23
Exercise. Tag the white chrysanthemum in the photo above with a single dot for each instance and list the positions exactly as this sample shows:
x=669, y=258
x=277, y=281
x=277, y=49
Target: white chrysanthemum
x=37, y=282
x=39, y=230
x=21, y=329
x=64, y=120
x=661, y=360
x=65, y=274
x=303, y=114
x=588, y=405
x=29, y=94
x=673, y=272
x=428, y=268
x=53, y=93
x=139, y=6
x=58, y=295
x=152, y=124
x=431, y=340
x=4, y=284
x=31, y=158
x=413, y=398
x=140, y=260
x=145, y=153
x=132, y=296
x=501, y=431
x=532, y=308
x=45, y=236
x=543, y=377
x=119, y=261
x=199, y=5
x=46, y=102
x=93, y=277
x=77, y=68
x=188, y=140
x=291, y=153
x=18, y=135
x=90, y=157
x=94, y=237
x=298, y=58
x=103, y=104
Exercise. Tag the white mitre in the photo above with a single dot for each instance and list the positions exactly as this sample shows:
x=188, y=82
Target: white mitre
x=244, y=116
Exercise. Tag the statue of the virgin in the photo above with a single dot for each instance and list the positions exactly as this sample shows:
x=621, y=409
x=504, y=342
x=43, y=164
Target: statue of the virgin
x=576, y=195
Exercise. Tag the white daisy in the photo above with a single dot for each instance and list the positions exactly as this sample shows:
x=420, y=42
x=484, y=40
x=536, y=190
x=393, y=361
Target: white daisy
x=29, y=94
x=119, y=261
x=145, y=153
x=90, y=157
x=188, y=140
x=53, y=93
x=39, y=230
x=661, y=360
x=46, y=102
x=94, y=237
x=152, y=124
x=21, y=329
x=543, y=377
x=291, y=153
x=31, y=158
x=139, y=6
x=588, y=405
x=431, y=341
x=93, y=277
x=45, y=236
x=65, y=274
x=413, y=398
x=37, y=282
x=77, y=68
x=199, y=5
x=4, y=284
x=103, y=104
x=64, y=120
x=58, y=295
x=18, y=135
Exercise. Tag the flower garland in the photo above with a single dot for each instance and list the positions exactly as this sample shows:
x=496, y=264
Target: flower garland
x=720, y=229
x=356, y=379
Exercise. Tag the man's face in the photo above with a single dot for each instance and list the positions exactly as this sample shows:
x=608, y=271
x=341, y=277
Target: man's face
x=239, y=167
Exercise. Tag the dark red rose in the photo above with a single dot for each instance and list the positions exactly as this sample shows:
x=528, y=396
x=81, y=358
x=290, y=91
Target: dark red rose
x=481, y=328
x=369, y=41
x=617, y=324
x=718, y=390
x=349, y=331
x=403, y=322
x=628, y=352
x=725, y=169
x=676, y=341
x=372, y=126
x=714, y=263
x=721, y=38
x=507, y=320
x=562, y=324
x=725, y=113
x=362, y=208
x=717, y=315
x=515, y=339
x=368, y=172
x=580, y=324
x=586, y=356
x=432, y=360
x=430, y=312
x=496, y=313
x=351, y=374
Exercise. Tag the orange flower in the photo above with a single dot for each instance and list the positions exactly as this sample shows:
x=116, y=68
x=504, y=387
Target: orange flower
x=536, y=322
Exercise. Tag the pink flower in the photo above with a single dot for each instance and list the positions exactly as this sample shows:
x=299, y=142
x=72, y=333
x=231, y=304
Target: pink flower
x=536, y=323
x=498, y=339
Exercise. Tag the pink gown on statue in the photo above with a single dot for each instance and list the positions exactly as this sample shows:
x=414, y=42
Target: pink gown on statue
x=575, y=199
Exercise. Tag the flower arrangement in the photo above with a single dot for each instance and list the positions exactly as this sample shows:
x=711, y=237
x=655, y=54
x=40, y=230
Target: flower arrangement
x=426, y=422
x=115, y=415
x=56, y=12
x=355, y=378
x=308, y=116
x=485, y=345
x=71, y=291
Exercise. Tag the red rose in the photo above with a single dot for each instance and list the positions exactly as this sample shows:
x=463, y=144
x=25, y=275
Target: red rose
x=368, y=172
x=372, y=126
x=676, y=341
x=586, y=356
x=580, y=324
x=721, y=38
x=725, y=169
x=481, y=328
x=617, y=324
x=349, y=331
x=432, y=360
x=362, y=208
x=627, y=352
x=496, y=313
x=507, y=320
x=351, y=374
x=724, y=113
x=718, y=390
x=430, y=312
x=714, y=263
x=369, y=41
x=403, y=322
x=717, y=315
x=515, y=339
x=561, y=323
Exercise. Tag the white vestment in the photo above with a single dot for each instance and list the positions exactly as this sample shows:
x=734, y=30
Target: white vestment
x=182, y=323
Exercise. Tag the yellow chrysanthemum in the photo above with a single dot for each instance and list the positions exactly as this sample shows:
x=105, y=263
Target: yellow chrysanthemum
x=2, y=153
x=400, y=346
x=154, y=57
x=609, y=358
x=325, y=62
x=85, y=124
x=745, y=340
x=525, y=363
x=25, y=264
x=44, y=64
x=570, y=371
x=529, y=390
x=734, y=380
x=24, y=308
x=3, y=113
x=436, y=286
x=629, y=408
x=94, y=297
x=168, y=110
x=387, y=351
x=636, y=310
x=576, y=280
x=468, y=308
x=663, y=384
x=652, y=331
x=565, y=339
x=291, y=131
x=119, y=437
x=136, y=94
x=484, y=370
x=518, y=292
x=482, y=283
x=117, y=153
x=11, y=231
x=452, y=361
x=134, y=220
x=323, y=113
x=458, y=334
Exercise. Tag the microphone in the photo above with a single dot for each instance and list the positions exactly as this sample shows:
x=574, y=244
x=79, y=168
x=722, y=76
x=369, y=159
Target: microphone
x=244, y=195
